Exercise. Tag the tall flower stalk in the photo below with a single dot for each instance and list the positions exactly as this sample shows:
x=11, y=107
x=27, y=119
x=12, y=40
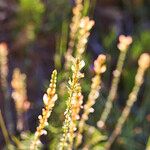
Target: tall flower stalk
x=4, y=84
x=49, y=100
x=99, y=68
x=74, y=90
x=19, y=95
x=4, y=67
x=76, y=107
x=123, y=45
x=144, y=64
x=74, y=26
x=79, y=33
x=84, y=27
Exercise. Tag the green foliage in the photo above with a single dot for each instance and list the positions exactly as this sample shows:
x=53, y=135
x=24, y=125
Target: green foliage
x=108, y=40
x=31, y=11
x=93, y=137
x=141, y=44
x=61, y=45
x=99, y=147
x=86, y=7
x=148, y=144
x=23, y=142
x=57, y=12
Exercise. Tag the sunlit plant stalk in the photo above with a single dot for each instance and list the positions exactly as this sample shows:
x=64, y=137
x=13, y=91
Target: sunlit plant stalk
x=74, y=26
x=3, y=67
x=19, y=94
x=74, y=87
x=79, y=32
x=99, y=68
x=124, y=42
x=84, y=27
x=144, y=64
x=49, y=101
x=4, y=83
x=76, y=107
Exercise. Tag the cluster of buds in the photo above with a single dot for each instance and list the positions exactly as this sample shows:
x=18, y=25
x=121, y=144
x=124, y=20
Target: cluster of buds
x=79, y=32
x=3, y=64
x=77, y=101
x=77, y=104
x=84, y=27
x=74, y=26
x=19, y=95
x=73, y=106
x=99, y=68
x=99, y=64
x=49, y=101
x=144, y=64
x=124, y=42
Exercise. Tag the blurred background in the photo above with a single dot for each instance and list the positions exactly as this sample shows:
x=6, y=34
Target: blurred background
x=32, y=31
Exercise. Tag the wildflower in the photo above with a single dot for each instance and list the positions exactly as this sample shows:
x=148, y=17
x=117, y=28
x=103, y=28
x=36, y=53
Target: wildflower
x=144, y=64
x=123, y=45
x=74, y=102
x=49, y=101
x=85, y=26
x=124, y=42
x=99, y=68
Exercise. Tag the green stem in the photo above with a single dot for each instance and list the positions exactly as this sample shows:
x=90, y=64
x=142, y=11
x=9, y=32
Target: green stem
x=4, y=130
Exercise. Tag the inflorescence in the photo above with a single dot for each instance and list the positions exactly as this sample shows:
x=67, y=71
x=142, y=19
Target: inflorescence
x=124, y=42
x=72, y=110
x=144, y=64
x=49, y=101
x=99, y=68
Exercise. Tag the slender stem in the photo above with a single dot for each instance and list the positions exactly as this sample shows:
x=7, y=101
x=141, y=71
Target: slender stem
x=143, y=62
x=4, y=130
x=113, y=89
x=123, y=117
